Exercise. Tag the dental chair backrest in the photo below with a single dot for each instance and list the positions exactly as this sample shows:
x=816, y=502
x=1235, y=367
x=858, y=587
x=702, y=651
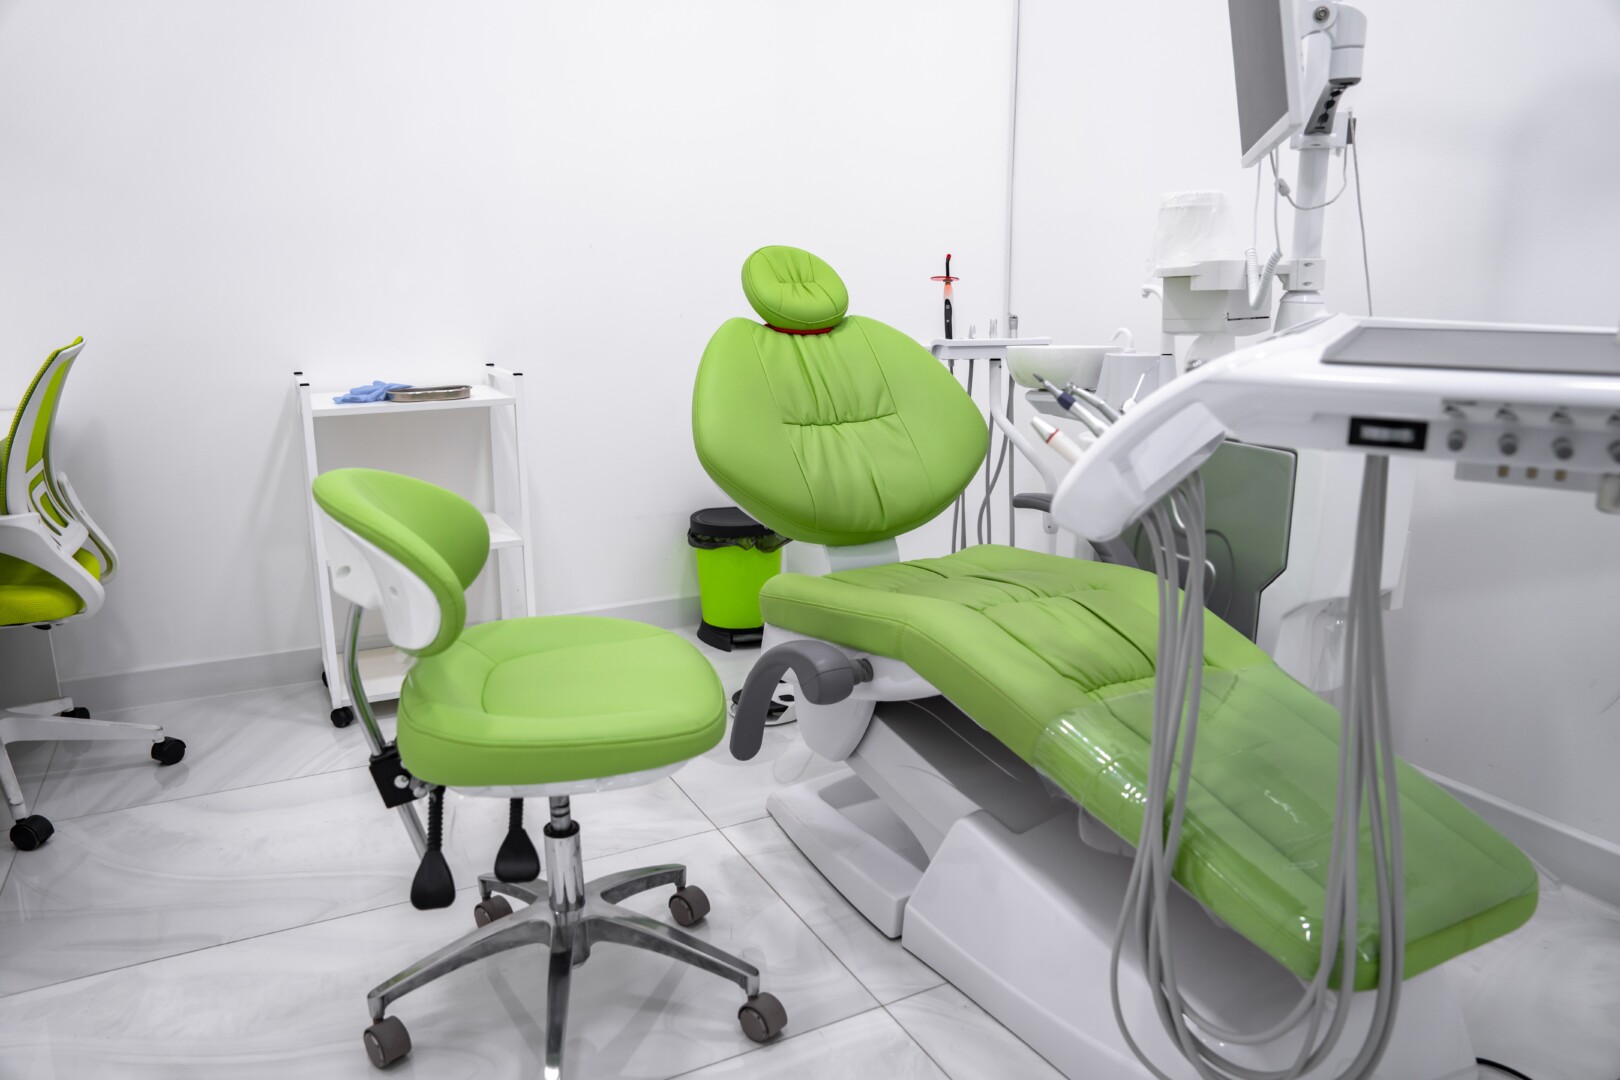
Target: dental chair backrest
x=829, y=428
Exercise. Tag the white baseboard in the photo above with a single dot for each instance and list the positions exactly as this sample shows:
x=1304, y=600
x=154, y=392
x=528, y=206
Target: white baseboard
x=209, y=678
x=1589, y=863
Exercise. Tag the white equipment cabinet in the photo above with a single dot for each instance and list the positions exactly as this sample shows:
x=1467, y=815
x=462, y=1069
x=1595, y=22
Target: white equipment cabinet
x=501, y=394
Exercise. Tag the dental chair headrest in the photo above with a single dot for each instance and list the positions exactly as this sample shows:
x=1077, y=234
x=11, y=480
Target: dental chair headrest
x=794, y=291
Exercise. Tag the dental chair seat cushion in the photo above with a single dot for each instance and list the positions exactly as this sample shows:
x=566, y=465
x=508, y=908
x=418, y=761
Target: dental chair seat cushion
x=554, y=699
x=1054, y=657
x=29, y=595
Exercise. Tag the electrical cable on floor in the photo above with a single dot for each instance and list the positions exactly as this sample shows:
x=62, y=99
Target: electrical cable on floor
x=1503, y=1069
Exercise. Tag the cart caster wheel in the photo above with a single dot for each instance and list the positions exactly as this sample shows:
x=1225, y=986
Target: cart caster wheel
x=342, y=717
x=487, y=911
x=762, y=1017
x=168, y=751
x=386, y=1041
x=689, y=905
x=78, y=712
x=30, y=832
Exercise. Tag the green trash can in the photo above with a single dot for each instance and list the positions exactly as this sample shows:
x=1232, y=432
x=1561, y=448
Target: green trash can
x=736, y=555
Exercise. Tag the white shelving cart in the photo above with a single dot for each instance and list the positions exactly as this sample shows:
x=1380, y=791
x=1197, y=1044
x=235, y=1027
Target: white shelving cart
x=383, y=670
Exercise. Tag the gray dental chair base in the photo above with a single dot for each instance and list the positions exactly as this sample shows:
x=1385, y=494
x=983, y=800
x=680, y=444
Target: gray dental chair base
x=568, y=916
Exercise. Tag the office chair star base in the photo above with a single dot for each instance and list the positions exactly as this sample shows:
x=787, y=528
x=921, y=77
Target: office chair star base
x=569, y=916
x=58, y=720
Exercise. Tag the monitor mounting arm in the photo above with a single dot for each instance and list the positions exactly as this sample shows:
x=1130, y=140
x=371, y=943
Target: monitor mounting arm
x=1330, y=64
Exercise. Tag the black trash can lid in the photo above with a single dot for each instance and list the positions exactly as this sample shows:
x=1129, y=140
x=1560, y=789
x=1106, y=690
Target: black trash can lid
x=726, y=523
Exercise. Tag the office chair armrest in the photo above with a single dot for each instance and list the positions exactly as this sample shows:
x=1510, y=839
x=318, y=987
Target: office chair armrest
x=25, y=537
x=98, y=539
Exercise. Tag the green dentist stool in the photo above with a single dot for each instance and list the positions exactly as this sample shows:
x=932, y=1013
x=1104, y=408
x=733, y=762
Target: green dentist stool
x=545, y=707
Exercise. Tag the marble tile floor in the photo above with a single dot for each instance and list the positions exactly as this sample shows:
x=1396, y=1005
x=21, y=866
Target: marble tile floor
x=225, y=918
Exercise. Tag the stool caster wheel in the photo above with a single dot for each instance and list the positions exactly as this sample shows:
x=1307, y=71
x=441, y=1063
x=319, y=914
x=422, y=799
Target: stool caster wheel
x=168, y=751
x=78, y=712
x=762, y=1017
x=342, y=717
x=386, y=1041
x=487, y=911
x=30, y=832
x=689, y=905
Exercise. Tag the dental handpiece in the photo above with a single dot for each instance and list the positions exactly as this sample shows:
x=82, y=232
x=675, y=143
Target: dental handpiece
x=1058, y=441
x=1069, y=399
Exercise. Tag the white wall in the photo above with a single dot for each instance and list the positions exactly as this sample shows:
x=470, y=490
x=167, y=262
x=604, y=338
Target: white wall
x=1491, y=193
x=216, y=194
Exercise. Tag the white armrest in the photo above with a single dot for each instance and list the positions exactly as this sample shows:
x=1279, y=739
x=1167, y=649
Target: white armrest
x=25, y=537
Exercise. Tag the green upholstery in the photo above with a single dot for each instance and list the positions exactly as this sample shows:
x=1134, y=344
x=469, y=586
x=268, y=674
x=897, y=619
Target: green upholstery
x=29, y=595
x=794, y=289
x=557, y=698
x=1054, y=657
x=845, y=437
x=436, y=534
x=521, y=701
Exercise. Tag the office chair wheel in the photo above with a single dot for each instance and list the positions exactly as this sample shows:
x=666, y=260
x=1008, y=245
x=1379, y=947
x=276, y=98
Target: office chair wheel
x=762, y=1017
x=487, y=911
x=689, y=905
x=168, y=751
x=386, y=1041
x=342, y=717
x=78, y=712
x=30, y=832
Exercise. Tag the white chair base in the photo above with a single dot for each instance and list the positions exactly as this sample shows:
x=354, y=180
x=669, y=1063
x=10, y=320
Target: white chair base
x=43, y=722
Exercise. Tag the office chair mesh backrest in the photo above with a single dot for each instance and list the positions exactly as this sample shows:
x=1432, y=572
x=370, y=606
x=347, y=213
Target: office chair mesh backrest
x=826, y=427
x=436, y=535
x=26, y=481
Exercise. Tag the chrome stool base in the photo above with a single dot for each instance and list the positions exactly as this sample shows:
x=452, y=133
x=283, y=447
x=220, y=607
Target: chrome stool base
x=569, y=917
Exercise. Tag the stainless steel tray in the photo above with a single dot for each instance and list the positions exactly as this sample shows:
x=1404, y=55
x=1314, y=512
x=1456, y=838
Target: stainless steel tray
x=431, y=393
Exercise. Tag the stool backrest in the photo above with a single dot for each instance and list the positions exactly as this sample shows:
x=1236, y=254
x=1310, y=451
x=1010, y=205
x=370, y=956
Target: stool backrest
x=405, y=546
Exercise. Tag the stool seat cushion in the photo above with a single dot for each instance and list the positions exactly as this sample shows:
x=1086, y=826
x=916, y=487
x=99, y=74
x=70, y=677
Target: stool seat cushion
x=557, y=698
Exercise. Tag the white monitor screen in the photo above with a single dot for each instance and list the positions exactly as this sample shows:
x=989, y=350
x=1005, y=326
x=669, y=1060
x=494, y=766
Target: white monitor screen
x=1261, y=52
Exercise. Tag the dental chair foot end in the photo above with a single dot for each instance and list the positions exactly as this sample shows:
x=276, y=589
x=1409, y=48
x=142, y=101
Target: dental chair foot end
x=491, y=908
x=168, y=751
x=30, y=832
x=386, y=1041
x=78, y=713
x=762, y=1017
x=689, y=905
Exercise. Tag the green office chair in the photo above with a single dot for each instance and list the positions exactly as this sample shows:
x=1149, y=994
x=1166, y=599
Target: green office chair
x=53, y=561
x=542, y=707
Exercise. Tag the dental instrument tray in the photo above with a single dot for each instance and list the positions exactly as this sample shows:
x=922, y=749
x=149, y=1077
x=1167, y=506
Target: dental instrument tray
x=431, y=393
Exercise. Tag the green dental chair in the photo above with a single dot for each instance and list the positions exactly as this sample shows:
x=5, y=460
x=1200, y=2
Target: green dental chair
x=53, y=562
x=992, y=703
x=546, y=707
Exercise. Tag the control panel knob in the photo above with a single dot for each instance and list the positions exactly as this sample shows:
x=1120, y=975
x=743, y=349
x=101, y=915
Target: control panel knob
x=1563, y=449
x=1614, y=452
x=1508, y=443
x=1457, y=440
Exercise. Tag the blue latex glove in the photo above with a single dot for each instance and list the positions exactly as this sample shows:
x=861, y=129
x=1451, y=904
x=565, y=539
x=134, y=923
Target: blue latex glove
x=377, y=391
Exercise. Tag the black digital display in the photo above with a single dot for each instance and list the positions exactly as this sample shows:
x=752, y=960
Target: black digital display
x=1389, y=434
